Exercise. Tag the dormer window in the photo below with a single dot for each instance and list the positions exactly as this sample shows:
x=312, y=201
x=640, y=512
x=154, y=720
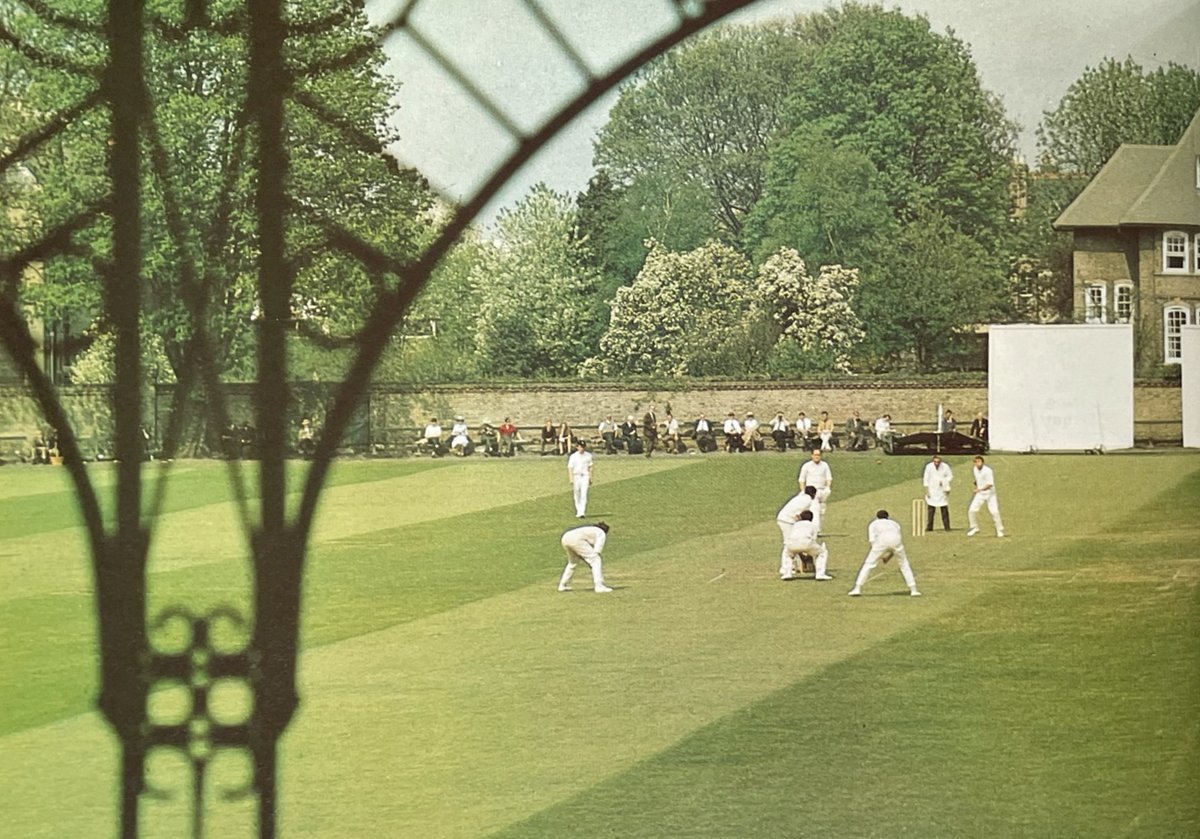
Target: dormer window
x=1175, y=252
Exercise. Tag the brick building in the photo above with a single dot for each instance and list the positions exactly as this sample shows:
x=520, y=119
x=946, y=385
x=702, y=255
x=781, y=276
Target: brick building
x=1136, y=252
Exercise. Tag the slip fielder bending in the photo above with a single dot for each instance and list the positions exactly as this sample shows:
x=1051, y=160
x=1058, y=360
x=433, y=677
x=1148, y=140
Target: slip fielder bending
x=579, y=473
x=585, y=543
x=787, y=516
x=886, y=541
x=816, y=473
x=985, y=493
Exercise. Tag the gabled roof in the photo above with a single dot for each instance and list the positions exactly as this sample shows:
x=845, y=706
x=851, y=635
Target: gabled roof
x=1142, y=186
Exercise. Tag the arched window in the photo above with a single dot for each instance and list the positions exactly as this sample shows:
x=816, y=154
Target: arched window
x=1175, y=252
x=1123, y=303
x=1174, y=319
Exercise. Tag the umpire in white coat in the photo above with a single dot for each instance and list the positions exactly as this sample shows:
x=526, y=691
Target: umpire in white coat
x=937, y=480
x=585, y=543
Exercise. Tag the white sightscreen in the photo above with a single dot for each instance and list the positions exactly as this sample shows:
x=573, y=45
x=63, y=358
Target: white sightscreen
x=1060, y=387
x=1191, y=386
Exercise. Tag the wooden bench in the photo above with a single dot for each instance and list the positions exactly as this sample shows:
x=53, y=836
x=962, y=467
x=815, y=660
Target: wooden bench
x=14, y=445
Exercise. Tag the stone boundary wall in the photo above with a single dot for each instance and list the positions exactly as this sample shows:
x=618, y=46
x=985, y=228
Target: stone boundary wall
x=394, y=410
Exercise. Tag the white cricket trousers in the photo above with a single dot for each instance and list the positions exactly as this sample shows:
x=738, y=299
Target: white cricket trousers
x=877, y=553
x=579, y=489
x=580, y=549
x=987, y=497
x=793, y=547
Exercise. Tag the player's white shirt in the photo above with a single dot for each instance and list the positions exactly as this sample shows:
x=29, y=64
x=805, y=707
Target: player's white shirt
x=816, y=474
x=780, y=423
x=433, y=430
x=802, y=536
x=732, y=426
x=882, y=427
x=984, y=478
x=795, y=505
x=672, y=426
x=884, y=533
x=579, y=464
x=589, y=534
x=936, y=481
x=458, y=429
x=804, y=424
x=751, y=424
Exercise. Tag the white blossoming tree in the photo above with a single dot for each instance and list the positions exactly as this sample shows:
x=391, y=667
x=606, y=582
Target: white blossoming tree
x=817, y=326
x=684, y=314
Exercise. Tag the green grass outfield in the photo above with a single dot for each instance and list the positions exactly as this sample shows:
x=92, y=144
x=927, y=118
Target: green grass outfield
x=1046, y=685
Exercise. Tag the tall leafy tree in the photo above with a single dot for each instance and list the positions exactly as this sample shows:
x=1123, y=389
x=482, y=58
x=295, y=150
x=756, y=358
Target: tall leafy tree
x=617, y=221
x=1116, y=102
x=939, y=283
x=702, y=116
x=821, y=200
x=537, y=312
x=199, y=171
x=885, y=85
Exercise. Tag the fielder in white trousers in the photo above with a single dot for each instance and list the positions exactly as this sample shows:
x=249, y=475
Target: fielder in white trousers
x=579, y=472
x=816, y=473
x=802, y=539
x=886, y=541
x=585, y=544
x=789, y=514
x=985, y=493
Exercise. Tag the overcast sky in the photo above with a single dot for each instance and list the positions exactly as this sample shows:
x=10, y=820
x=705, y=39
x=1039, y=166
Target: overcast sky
x=1027, y=52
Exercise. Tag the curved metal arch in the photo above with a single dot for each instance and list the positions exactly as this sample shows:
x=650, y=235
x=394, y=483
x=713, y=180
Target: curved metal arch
x=279, y=546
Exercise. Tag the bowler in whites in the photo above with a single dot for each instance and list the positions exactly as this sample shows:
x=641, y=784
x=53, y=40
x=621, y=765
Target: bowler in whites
x=584, y=543
x=985, y=493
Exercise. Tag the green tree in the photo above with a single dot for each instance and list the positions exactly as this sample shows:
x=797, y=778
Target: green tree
x=618, y=221
x=199, y=175
x=537, y=312
x=1114, y=103
x=886, y=86
x=820, y=200
x=938, y=285
x=702, y=115
x=684, y=315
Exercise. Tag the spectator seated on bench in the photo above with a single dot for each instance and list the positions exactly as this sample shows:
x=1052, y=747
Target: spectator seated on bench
x=857, y=434
x=702, y=431
x=460, y=438
x=306, y=439
x=549, y=437
x=41, y=448
x=489, y=440
x=733, y=434
x=629, y=432
x=430, y=442
x=825, y=432
x=508, y=437
x=672, y=439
